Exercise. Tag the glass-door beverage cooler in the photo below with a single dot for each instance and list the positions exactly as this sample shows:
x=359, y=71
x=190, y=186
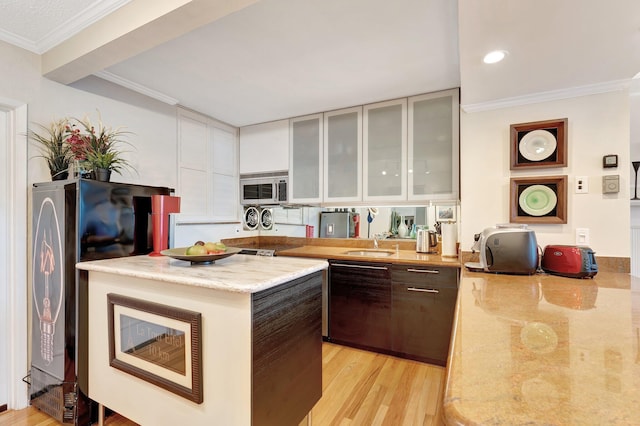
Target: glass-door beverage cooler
x=76, y=220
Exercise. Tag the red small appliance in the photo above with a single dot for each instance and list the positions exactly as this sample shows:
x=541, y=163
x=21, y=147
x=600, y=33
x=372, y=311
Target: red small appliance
x=161, y=207
x=569, y=261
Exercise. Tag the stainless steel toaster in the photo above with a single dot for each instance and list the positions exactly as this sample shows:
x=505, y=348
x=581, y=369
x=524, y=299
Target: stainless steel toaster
x=506, y=249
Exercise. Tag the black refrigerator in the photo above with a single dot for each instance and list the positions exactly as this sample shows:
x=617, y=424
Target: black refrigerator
x=76, y=220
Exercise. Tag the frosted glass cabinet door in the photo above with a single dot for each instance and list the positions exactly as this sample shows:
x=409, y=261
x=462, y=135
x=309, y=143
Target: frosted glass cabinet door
x=434, y=146
x=343, y=155
x=305, y=169
x=385, y=151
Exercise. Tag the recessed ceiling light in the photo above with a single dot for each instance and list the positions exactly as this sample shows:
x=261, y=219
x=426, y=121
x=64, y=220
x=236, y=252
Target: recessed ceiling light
x=494, y=56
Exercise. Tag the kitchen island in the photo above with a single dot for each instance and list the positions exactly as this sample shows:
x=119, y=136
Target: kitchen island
x=545, y=350
x=237, y=342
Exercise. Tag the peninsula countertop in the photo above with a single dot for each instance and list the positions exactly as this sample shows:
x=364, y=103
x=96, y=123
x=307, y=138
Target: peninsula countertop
x=545, y=350
x=237, y=273
x=397, y=256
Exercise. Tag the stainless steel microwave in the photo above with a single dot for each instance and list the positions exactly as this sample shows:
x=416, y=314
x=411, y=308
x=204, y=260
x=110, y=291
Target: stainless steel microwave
x=264, y=188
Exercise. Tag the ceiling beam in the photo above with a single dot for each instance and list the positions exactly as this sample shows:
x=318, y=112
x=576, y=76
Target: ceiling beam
x=134, y=28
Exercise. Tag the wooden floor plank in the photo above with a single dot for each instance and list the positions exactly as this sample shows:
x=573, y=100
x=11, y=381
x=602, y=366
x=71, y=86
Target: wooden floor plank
x=359, y=388
x=370, y=371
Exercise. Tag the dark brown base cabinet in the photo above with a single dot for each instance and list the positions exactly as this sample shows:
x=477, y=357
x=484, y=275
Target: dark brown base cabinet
x=423, y=306
x=360, y=304
x=404, y=310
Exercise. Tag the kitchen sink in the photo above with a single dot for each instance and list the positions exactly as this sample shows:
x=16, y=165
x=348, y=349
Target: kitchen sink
x=370, y=253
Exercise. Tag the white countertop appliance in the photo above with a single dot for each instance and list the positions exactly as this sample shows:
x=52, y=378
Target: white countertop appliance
x=506, y=249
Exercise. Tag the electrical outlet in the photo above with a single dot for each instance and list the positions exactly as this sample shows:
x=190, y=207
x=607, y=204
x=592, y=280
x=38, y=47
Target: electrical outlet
x=582, y=236
x=582, y=184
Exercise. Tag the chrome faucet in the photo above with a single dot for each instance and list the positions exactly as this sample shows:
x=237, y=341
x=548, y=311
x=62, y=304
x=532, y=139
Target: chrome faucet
x=375, y=241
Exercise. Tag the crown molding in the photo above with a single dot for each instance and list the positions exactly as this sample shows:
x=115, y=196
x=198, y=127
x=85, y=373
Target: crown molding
x=105, y=75
x=16, y=40
x=553, y=95
x=77, y=23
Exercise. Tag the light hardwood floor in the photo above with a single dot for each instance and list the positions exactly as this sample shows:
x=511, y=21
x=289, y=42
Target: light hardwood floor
x=359, y=388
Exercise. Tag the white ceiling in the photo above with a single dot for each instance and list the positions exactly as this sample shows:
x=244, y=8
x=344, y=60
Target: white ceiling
x=283, y=58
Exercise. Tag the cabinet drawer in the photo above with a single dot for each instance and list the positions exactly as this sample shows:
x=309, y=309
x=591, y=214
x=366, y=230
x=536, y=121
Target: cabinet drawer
x=425, y=276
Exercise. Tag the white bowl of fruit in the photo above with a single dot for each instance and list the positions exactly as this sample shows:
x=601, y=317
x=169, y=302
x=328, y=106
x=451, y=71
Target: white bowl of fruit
x=201, y=252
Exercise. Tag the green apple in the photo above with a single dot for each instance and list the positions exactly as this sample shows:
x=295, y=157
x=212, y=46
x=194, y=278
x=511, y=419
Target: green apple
x=196, y=250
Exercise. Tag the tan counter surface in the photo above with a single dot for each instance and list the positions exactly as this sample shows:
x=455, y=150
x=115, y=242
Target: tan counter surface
x=397, y=256
x=545, y=350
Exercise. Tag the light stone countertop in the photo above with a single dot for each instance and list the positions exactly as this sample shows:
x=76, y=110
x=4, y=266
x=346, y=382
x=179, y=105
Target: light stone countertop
x=237, y=273
x=545, y=350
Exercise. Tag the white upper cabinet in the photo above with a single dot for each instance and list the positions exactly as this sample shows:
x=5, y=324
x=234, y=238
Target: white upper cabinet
x=194, y=171
x=225, y=150
x=385, y=151
x=343, y=155
x=225, y=191
x=305, y=168
x=264, y=147
x=207, y=169
x=402, y=151
x=433, y=157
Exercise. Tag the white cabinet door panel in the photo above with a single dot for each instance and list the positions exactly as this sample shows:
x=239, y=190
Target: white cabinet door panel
x=305, y=170
x=193, y=189
x=343, y=155
x=264, y=147
x=207, y=169
x=193, y=138
x=225, y=197
x=225, y=156
x=385, y=151
x=433, y=146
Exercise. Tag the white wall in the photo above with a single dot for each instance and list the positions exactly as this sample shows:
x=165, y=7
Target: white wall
x=4, y=247
x=597, y=125
x=153, y=133
x=154, y=138
x=153, y=127
x=634, y=107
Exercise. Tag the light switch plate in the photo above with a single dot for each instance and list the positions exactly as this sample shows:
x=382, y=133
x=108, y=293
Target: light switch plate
x=610, y=184
x=582, y=236
x=582, y=184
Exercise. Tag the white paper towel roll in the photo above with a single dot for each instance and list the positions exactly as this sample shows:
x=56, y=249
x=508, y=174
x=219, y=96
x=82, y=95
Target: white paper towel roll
x=449, y=239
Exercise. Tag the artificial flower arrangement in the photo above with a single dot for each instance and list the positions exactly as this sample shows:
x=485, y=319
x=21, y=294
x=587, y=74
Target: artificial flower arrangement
x=54, y=147
x=93, y=150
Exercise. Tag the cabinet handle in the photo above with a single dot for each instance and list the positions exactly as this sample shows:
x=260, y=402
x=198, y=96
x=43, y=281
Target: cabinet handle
x=382, y=268
x=423, y=290
x=423, y=271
